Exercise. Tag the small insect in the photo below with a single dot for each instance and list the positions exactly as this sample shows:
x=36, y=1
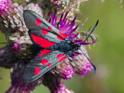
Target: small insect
x=51, y=45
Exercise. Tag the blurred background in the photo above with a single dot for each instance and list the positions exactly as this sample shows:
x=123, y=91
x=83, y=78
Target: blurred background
x=107, y=54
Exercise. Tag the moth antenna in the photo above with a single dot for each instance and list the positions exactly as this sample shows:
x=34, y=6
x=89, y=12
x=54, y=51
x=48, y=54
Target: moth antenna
x=92, y=29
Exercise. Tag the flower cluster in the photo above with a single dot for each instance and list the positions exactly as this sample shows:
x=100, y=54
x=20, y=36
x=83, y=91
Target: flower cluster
x=4, y=6
x=19, y=49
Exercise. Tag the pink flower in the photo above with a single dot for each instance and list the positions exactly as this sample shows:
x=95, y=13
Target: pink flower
x=67, y=72
x=86, y=69
x=4, y=6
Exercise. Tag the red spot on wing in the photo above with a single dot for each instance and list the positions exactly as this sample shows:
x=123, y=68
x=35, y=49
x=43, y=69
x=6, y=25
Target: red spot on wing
x=38, y=21
x=61, y=57
x=44, y=52
x=44, y=31
x=42, y=41
x=62, y=36
x=44, y=61
x=37, y=71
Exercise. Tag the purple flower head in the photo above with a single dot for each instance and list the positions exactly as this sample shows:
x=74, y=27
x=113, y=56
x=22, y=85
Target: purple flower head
x=4, y=6
x=67, y=72
x=87, y=66
x=69, y=27
x=83, y=64
x=64, y=25
x=86, y=69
